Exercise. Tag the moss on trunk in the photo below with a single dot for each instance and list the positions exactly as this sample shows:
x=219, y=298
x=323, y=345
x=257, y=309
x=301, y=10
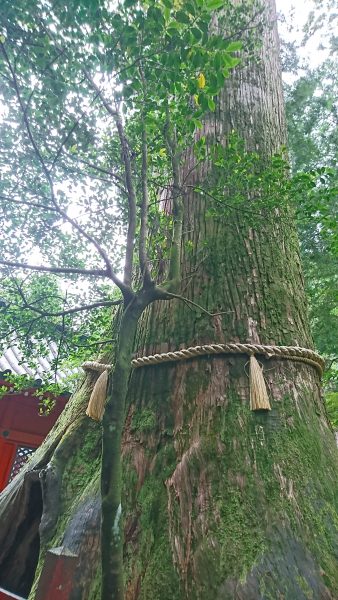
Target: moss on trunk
x=246, y=501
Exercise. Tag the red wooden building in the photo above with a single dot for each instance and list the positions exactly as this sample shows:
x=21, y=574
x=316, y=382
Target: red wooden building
x=22, y=429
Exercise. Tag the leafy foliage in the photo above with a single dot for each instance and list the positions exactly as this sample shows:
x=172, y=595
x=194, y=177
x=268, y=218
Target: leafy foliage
x=45, y=392
x=312, y=116
x=73, y=80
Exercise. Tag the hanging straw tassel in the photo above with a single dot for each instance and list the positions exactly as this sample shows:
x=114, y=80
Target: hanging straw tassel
x=97, y=400
x=259, y=399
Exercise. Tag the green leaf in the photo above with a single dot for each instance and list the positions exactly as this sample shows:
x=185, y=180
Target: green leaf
x=198, y=124
x=211, y=104
x=214, y=4
x=203, y=99
x=182, y=17
x=230, y=61
x=234, y=46
x=197, y=33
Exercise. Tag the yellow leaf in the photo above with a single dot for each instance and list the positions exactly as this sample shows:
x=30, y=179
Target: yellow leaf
x=201, y=81
x=196, y=99
x=73, y=149
x=162, y=152
x=2, y=39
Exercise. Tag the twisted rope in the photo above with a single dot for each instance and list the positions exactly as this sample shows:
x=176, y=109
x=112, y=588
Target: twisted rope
x=294, y=353
x=92, y=365
x=259, y=399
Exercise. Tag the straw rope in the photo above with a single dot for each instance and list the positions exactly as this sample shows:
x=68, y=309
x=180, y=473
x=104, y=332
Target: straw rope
x=92, y=365
x=259, y=399
x=294, y=353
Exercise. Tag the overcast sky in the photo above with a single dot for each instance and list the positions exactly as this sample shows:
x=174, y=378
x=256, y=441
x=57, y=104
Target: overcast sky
x=296, y=13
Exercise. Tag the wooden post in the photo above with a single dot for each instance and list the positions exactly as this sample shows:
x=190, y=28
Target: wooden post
x=57, y=577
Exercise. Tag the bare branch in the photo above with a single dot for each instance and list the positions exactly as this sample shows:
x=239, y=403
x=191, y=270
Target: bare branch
x=118, y=181
x=101, y=170
x=65, y=140
x=28, y=203
x=60, y=342
x=128, y=267
x=175, y=252
x=101, y=343
x=164, y=295
x=143, y=257
x=221, y=203
x=110, y=110
x=61, y=313
x=49, y=64
x=76, y=309
x=60, y=270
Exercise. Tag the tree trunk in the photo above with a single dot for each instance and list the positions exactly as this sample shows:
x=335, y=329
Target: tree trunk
x=229, y=503
x=219, y=502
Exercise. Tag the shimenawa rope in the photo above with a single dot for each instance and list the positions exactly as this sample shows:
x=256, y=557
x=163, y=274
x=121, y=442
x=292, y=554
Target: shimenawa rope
x=259, y=399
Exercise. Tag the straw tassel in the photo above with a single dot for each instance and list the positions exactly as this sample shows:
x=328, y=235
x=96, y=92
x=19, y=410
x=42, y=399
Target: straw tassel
x=259, y=399
x=97, y=400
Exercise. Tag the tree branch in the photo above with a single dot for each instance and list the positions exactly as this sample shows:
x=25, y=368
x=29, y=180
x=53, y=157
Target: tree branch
x=102, y=170
x=143, y=257
x=60, y=270
x=57, y=359
x=164, y=295
x=28, y=203
x=49, y=64
x=69, y=311
x=175, y=252
x=109, y=270
x=128, y=267
x=200, y=190
x=101, y=343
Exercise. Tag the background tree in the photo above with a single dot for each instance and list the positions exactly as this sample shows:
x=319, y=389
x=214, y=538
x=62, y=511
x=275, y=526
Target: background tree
x=224, y=245
x=311, y=102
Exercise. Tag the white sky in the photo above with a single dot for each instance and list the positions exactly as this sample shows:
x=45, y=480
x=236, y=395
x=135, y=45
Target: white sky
x=296, y=13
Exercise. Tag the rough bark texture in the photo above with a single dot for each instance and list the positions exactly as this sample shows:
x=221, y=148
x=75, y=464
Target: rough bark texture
x=219, y=502
x=230, y=503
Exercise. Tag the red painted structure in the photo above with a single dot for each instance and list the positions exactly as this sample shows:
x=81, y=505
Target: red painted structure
x=22, y=429
x=57, y=577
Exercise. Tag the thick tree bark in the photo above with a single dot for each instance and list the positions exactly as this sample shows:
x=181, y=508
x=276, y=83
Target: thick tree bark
x=219, y=502
x=230, y=503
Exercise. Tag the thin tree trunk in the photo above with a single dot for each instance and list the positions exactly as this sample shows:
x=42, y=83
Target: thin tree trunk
x=111, y=475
